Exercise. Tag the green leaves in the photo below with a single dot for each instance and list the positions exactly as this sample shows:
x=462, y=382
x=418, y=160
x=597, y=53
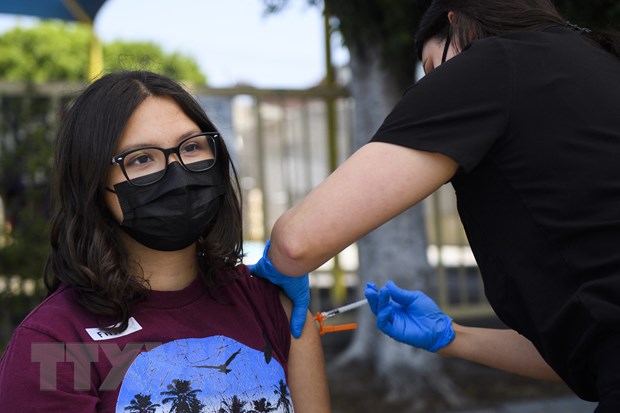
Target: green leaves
x=57, y=51
x=148, y=56
x=51, y=51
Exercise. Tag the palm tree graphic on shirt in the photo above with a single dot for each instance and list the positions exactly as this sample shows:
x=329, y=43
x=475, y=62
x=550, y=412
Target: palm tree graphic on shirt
x=283, y=397
x=142, y=403
x=182, y=397
x=253, y=387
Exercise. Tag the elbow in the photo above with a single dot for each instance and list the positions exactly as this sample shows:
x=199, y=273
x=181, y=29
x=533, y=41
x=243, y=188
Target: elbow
x=289, y=253
x=287, y=247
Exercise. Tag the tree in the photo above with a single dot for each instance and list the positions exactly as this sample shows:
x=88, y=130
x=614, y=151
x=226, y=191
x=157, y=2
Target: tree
x=57, y=51
x=262, y=406
x=182, y=397
x=379, y=36
x=142, y=404
x=25, y=155
x=234, y=406
x=283, y=397
x=49, y=51
x=149, y=56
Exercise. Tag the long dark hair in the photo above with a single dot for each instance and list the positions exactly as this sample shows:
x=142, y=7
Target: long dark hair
x=477, y=19
x=87, y=254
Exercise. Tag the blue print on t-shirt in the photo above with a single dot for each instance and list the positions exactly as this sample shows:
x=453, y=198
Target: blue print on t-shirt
x=212, y=374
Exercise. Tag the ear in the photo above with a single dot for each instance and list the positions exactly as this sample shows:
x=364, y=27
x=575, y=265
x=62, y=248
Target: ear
x=450, y=16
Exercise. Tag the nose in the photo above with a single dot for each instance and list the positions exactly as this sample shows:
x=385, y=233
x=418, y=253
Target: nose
x=174, y=157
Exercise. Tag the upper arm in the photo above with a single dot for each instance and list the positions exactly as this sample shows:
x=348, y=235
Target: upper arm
x=307, y=378
x=374, y=185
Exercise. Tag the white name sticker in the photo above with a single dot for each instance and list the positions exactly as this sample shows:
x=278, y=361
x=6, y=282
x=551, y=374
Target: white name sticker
x=98, y=334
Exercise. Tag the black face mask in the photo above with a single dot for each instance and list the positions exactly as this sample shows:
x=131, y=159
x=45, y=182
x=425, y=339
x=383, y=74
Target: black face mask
x=173, y=213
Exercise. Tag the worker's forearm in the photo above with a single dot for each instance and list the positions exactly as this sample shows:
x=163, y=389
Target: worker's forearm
x=501, y=349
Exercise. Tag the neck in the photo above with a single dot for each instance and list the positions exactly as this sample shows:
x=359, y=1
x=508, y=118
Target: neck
x=165, y=270
x=173, y=272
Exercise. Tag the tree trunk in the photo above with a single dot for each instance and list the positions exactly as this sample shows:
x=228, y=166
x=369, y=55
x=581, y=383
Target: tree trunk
x=396, y=251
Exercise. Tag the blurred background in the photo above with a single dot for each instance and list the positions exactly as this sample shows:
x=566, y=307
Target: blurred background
x=294, y=86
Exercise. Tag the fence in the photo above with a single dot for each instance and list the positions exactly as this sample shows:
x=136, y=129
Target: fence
x=282, y=142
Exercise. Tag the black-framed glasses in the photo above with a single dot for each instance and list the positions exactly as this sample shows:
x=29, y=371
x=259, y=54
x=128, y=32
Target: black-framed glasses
x=147, y=165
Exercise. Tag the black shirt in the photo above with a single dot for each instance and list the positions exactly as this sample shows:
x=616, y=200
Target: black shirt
x=533, y=120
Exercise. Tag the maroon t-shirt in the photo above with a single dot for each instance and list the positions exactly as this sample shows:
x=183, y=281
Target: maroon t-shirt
x=196, y=348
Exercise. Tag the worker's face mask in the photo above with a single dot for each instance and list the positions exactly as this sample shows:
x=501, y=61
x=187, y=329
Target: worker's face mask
x=446, y=47
x=174, y=212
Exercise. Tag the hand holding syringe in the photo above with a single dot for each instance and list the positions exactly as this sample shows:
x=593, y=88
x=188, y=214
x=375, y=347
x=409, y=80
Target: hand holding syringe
x=320, y=317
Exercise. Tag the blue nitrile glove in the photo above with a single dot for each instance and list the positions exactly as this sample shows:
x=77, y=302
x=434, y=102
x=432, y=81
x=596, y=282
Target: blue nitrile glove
x=410, y=317
x=372, y=295
x=296, y=288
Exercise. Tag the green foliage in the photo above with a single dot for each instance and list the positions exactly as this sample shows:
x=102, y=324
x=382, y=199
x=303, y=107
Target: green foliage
x=149, y=56
x=26, y=153
x=25, y=157
x=57, y=51
x=50, y=51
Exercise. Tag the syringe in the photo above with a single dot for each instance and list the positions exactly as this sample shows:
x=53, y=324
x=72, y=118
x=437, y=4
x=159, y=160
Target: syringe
x=343, y=309
x=322, y=316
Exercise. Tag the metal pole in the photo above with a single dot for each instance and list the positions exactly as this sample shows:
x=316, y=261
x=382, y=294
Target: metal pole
x=338, y=291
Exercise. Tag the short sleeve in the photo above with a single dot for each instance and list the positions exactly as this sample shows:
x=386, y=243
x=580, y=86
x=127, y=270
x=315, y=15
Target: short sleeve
x=34, y=376
x=460, y=109
x=264, y=299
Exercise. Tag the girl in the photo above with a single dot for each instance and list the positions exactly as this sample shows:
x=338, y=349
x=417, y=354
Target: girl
x=149, y=307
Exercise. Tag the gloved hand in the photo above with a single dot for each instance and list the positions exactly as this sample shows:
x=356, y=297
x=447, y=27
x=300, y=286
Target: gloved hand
x=410, y=317
x=296, y=288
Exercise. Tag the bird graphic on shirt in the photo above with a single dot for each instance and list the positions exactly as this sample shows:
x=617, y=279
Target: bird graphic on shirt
x=222, y=368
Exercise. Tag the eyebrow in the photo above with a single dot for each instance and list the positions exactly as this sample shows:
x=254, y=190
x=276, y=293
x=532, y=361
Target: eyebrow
x=150, y=144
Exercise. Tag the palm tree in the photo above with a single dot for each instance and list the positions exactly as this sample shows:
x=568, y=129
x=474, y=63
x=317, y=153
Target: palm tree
x=195, y=405
x=235, y=406
x=183, y=397
x=283, y=397
x=262, y=406
x=141, y=403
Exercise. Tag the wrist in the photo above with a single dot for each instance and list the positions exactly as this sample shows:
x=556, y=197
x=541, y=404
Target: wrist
x=447, y=336
x=451, y=349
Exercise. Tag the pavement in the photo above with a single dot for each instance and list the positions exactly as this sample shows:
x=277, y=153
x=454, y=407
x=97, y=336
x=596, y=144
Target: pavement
x=564, y=404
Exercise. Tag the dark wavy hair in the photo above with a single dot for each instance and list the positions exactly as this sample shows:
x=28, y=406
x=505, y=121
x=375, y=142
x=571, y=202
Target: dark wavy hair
x=477, y=19
x=87, y=254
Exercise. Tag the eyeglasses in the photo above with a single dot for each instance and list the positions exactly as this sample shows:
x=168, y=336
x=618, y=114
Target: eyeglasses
x=147, y=165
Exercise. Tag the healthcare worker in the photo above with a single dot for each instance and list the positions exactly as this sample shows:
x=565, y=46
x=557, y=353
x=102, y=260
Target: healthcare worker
x=519, y=111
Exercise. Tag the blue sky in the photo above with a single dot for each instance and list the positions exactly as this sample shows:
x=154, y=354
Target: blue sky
x=232, y=40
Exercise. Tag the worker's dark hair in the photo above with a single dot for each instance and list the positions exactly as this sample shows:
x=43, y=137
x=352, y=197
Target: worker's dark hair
x=477, y=19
